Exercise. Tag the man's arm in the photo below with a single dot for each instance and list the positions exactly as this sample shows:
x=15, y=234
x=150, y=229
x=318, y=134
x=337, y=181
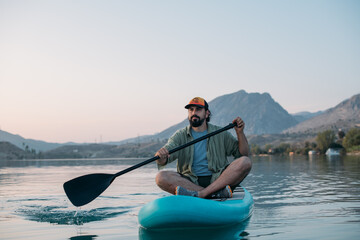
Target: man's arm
x=243, y=143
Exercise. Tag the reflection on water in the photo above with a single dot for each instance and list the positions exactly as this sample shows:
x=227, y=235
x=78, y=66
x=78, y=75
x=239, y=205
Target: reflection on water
x=305, y=199
x=68, y=162
x=84, y=237
x=295, y=198
x=229, y=232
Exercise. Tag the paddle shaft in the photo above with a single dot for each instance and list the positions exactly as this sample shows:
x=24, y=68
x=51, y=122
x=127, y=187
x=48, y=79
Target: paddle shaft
x=231, y=125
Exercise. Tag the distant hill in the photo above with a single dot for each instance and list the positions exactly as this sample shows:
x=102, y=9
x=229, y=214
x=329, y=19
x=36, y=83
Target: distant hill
x=21, y=142
x=345, y=115
x=147, y=149
x=10, y=151
x=303, y=116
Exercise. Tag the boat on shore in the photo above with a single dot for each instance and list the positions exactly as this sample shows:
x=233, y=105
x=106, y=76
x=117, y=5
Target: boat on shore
x=333, y=152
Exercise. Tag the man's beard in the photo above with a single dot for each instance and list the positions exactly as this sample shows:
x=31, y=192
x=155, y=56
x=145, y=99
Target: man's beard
x=196, y=121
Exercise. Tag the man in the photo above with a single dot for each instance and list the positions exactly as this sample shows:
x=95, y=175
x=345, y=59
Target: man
x=203, y=169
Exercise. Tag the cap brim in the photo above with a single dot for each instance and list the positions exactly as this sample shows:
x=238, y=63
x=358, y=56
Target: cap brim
x=198, y=105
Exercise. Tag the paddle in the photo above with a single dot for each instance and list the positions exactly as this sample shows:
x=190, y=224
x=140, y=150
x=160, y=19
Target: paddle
x=84, y=189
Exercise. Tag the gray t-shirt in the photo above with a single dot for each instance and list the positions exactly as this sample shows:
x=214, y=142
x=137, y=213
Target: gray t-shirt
x=200, y=164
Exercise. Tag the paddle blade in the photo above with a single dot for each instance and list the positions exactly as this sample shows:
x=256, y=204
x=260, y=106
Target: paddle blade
x=84, y=189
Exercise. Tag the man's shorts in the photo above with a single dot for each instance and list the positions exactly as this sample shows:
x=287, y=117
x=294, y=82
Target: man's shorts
x=205, y=181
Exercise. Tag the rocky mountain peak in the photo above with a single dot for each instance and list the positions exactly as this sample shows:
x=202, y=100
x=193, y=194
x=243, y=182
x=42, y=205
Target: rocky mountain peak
x=344, y=115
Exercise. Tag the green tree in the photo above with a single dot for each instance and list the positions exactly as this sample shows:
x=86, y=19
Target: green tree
x=283, y=148
x=255, y=149
x=324, y=139
x=352, y=138
x=267, y=148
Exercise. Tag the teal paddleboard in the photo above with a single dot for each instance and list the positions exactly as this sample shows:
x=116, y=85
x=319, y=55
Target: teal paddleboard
x=174, y=212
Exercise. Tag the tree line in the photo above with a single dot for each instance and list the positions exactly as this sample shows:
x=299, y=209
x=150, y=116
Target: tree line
x=349, y=142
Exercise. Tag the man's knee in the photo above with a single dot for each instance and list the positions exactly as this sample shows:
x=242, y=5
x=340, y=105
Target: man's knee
x=243, y=164
x=163, y=177
x=159, y=177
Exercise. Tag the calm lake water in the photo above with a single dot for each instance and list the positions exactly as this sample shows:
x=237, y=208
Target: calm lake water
x=295, y=198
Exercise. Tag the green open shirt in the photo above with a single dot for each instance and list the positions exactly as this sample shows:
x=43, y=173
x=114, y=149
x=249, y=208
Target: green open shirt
x=219, y=147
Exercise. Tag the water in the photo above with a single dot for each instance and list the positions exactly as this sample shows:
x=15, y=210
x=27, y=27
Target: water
x=295, y=198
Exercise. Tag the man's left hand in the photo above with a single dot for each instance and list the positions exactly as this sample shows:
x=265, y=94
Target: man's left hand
x=240, y=124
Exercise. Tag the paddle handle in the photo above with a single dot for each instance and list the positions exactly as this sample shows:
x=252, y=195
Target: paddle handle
x=231, y=125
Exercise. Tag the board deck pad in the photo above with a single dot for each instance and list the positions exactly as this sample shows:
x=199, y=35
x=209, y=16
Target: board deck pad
x=238, y=193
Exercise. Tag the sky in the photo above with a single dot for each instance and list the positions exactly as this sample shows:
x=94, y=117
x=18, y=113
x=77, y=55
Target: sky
x=98, y=71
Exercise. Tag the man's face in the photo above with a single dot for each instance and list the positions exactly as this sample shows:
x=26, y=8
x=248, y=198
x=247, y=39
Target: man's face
x=196, y=116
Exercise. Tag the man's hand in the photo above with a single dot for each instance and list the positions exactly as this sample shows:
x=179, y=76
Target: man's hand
x=240, y=125
x=163, y=153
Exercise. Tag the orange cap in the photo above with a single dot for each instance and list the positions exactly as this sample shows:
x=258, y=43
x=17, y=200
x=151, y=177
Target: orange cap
x=198, y=101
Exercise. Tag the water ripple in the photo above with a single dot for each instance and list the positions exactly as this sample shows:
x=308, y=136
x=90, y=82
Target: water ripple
x=63, y=216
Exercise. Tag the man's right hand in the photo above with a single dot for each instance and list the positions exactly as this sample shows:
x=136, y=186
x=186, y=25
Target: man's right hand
x=163, y=153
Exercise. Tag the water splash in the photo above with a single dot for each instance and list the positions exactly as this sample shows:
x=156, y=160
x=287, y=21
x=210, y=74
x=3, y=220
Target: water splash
x=63, y=216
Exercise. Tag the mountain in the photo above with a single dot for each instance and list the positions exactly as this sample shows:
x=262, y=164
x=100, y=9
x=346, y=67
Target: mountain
x=21, y=142
x=262, y=115
x=303, y=116
x=345, y=115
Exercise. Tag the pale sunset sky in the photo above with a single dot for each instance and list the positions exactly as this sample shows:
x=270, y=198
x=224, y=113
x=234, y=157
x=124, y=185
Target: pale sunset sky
x=86, y=71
